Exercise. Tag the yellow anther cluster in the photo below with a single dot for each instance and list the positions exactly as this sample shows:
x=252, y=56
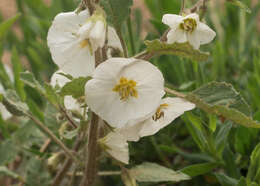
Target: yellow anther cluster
x=126, y=88
x=159, y=112
x=189, y=25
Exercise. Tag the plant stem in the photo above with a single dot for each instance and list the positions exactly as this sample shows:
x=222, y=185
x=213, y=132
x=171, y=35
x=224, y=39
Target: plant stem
x=182, y=7
x=53, y=137
x=130, y=32
x=174, y=92
x=62, y=172
x=92, y=152
x=89, y=6
x=119, y=33
x=67, y=116
x=92, y=145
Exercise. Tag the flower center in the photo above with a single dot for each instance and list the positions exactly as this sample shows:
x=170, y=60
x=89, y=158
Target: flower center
x=188, y=25
x=126, y=88
x=159, y=112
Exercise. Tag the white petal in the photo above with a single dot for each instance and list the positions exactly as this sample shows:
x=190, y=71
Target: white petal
x=107, y=104
x=194, y=39
x=70, y=21
x=84, y=30
x=205, y=33
x=131, y=132
x=71, y=104
x=176, y=107
x=117, y=147
x=98, y=35
x=65, y=45
x=172, y=20
x=176, y=35
x=57, y=79
x=113, y=39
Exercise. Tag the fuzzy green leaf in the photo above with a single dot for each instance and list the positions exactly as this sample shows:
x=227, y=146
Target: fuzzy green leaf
x=157, y=47
x=117, y=11
x=13, y=104
x=151, y=172
x=199, y=169
x=75, y=88
x=29, y=79
x=223, y=100
x=254, y=168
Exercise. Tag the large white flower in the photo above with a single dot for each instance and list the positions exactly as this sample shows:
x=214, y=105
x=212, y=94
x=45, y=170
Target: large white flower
x=73, y=39
x=116, y=146
x=169, y=110
x=188, y=29
x=124, y=90
x=70, y=103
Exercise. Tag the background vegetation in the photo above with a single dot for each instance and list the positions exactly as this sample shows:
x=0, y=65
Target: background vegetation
x=218, y=150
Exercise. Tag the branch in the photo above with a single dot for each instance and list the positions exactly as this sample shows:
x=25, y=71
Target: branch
x=62, y=172
x=67, y=116
x=53, y=137
x=174, y=92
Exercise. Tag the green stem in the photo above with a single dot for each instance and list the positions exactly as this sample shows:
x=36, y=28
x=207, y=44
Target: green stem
x=174, y=92
x=130, y=32
x=119, y=33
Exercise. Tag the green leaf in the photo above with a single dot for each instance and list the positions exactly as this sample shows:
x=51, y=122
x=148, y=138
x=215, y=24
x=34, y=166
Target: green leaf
x=151, y=172
x=117, y=11
x=4, y=170
x=240, y=5
x=28, y=78
x=8, y=152
x=6, y=25
x=242, y=182
x=13, y=104
x=225, y=180
x=254, y=168
x=199, y=169
x=223, y=100
x=17, y=69
x=157, y=47
x=37, y=173
x=75, y=88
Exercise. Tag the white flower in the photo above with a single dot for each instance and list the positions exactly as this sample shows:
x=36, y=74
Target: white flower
x=4, y=112
x=169, y=110
x=124, y=90
x=116, y=146
x=188, y=29
x=73, y=39
x=70, y=103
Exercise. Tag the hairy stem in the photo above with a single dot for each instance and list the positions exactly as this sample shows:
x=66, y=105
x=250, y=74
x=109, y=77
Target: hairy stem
x=174, y=92
x=89, y=5
x=67, y=116
x=92, y=152
x=92, y=145
x=182, y=7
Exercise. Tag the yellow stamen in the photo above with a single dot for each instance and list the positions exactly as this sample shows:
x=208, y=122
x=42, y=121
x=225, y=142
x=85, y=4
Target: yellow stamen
x=159, y=112
x=188, y=25
x=126, y=88
x=86, y=43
